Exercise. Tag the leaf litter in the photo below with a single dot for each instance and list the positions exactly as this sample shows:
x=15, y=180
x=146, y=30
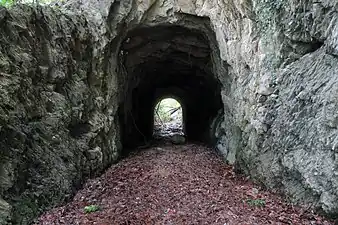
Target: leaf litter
x=185, y=184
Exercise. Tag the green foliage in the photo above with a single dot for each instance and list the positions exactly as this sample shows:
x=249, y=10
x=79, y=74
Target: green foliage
x=256, y=202
x=91, y=208
x=165, y=108
x=6, y=3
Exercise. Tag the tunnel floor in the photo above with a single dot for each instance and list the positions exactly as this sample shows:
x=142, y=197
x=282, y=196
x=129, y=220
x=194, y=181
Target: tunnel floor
x=163, y=130
x=176, y=184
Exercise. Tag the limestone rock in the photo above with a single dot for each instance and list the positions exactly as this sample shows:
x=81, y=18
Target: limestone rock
x=63, y=89
x=178, y=139
x=5, y=212
x=45, y=108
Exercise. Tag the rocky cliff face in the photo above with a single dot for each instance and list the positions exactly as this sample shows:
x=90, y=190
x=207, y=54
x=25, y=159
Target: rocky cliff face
x=57, y=110
x=63, y=77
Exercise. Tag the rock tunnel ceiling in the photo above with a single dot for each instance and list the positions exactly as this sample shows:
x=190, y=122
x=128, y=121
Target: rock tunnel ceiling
x=163, y=61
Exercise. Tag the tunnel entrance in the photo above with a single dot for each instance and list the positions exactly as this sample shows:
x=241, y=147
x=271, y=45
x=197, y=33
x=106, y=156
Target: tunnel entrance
x=162, y=61
x=168, y=118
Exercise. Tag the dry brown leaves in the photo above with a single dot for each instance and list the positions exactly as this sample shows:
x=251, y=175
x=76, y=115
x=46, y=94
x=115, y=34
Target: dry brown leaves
x=187, y=184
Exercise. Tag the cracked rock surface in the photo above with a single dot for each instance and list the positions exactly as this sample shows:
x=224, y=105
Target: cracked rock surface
x=265, y=73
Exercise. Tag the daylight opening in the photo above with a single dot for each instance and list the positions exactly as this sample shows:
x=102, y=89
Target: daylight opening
x=168, y=118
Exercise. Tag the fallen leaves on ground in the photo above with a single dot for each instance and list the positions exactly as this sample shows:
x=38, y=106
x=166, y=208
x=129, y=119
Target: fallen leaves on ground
x=188, y=184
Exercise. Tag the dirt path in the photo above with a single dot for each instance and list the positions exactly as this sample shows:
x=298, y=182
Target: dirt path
x=176, y=185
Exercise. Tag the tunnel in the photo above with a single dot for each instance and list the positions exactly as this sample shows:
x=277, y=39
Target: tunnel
x=167, y=61
x=168, y=118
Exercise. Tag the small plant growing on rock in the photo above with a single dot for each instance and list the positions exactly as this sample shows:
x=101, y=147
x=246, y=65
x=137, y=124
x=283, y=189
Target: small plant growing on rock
x=91, y=208
x=256, y=202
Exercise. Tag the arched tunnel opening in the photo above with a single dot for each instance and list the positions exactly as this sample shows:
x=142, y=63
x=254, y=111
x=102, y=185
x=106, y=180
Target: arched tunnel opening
x=167, y=61
x=168, y=118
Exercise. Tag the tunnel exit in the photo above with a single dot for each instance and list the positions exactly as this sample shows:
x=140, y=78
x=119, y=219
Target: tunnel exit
x=168, y=118
x=161, y=65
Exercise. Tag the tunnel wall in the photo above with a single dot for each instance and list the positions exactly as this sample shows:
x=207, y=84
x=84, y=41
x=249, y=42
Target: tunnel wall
x=276, y=60
x=282, y=99
x=58, y=124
